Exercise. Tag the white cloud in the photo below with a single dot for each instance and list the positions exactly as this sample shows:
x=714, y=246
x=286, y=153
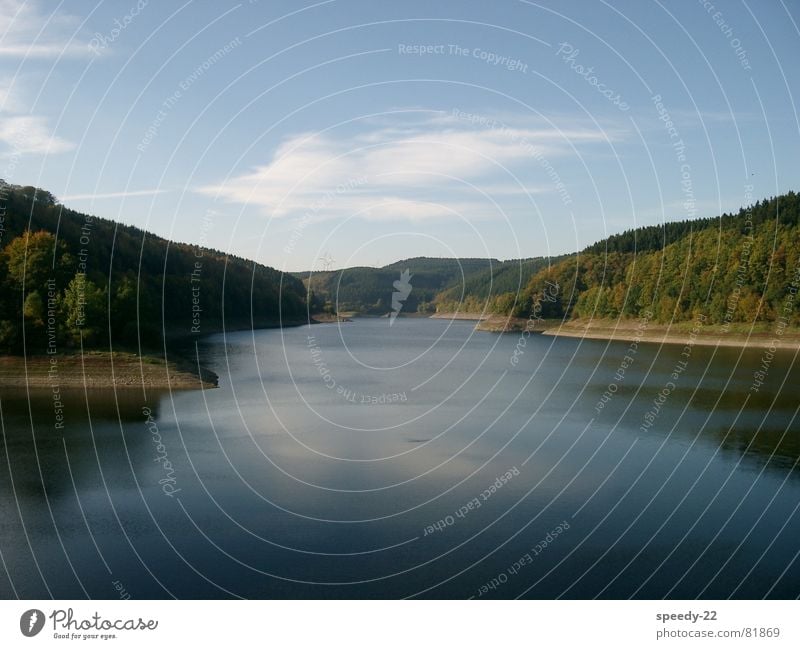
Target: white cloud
x=27, y=32
x=20, y=131
x=394, y=208
x=138, y=192
x=41, y=51
x=30, y=134
x=398, y=164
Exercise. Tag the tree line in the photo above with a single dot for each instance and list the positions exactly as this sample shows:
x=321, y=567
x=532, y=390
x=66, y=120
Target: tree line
x=67, y=277
x=733, y=269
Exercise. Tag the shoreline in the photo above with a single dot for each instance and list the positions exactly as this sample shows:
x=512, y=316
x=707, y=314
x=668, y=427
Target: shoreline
x=762, y=337
x=509, y=324
x=94, y=370
x=712, y=336
x=461, y=315
x=180, y=334
x=327, y=318
x=130, y=370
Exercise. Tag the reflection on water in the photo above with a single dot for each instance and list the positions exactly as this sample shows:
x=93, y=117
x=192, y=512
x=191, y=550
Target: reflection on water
x=363, y=461
x=104, y=405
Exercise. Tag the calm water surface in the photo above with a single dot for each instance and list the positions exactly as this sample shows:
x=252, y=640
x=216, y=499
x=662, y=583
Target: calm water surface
x=368, y=460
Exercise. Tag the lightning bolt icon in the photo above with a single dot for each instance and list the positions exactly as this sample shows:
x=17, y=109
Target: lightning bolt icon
x=32, y=621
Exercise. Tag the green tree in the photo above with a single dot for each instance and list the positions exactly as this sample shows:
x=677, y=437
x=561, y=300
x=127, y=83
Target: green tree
x=33, y=309
x=84, y=310
x=123, y=310
x=35, y=257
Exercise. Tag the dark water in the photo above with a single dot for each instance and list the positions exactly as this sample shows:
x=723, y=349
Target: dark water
x=285, y=483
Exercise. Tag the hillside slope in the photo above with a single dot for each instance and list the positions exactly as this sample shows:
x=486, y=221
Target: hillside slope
x=740, y=268
x=67, y=277
x=732, y=269
x=369, y=291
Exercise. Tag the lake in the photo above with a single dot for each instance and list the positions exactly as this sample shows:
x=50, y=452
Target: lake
x=413, y=459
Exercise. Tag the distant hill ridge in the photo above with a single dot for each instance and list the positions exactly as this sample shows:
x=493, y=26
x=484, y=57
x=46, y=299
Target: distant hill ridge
x=735, y=268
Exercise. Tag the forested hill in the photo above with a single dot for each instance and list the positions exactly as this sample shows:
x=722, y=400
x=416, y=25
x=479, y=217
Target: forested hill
x=480, y=289
x=67, y=277
x=438, y=284
x=95, y=279
x=656, y=237
x=737, y=268
x=368, y=290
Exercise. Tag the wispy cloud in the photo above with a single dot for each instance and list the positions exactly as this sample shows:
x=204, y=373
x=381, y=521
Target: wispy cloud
x=440, y=156
x=9, y=99
x=138, y=192
x=27, y=32
x=30, y=134
x=20, y=131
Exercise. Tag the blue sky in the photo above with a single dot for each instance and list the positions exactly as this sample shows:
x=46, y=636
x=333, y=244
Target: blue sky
x=361, y=133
